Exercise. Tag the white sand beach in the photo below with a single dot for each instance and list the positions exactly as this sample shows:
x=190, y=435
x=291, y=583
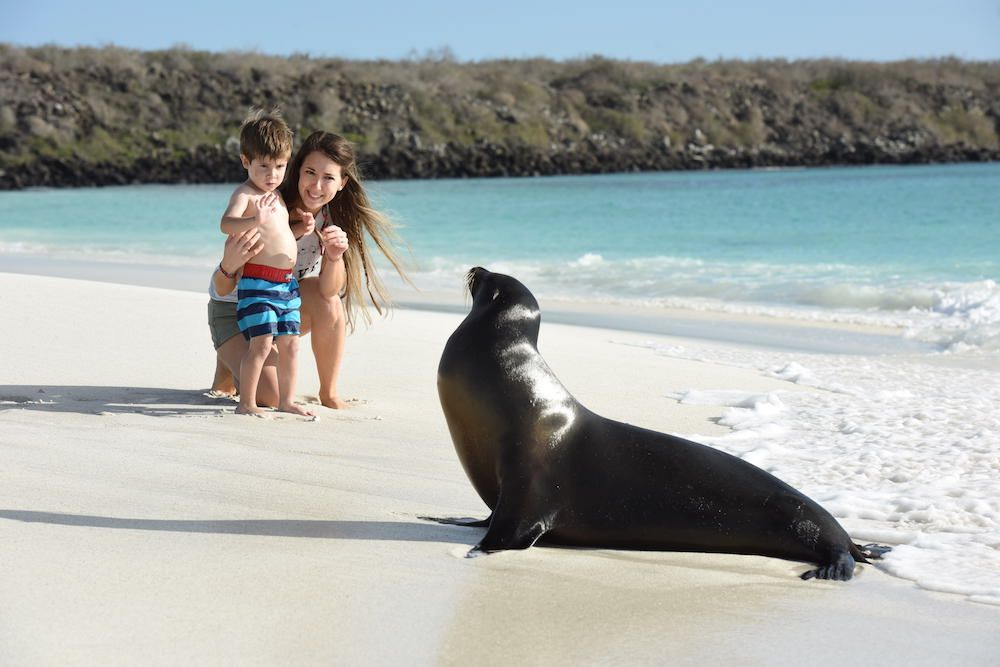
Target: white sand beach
x=142, y=522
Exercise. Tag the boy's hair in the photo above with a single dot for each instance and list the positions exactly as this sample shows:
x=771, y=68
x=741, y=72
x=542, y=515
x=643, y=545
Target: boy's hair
x=265, y=135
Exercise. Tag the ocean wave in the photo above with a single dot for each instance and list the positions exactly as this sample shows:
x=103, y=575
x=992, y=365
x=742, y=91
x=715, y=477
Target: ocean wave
x=964, y=317
x=956, y=317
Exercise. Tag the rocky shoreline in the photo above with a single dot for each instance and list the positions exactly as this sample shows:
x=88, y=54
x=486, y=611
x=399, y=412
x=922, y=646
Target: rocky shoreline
x=210, y=164
x=86, y=117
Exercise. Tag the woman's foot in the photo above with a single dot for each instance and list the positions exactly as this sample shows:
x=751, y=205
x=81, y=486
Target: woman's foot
x=215, y=393
x=333, y=402
x=223, y=384
x=296, y=409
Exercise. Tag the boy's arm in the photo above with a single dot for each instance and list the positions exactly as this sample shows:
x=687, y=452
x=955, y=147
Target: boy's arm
x=301, y=222
x=235, y=220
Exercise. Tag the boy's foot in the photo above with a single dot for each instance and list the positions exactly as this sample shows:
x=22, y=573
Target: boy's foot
x=333, y=402
x=296, y=409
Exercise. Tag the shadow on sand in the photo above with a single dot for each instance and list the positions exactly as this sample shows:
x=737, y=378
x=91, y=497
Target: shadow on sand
x=91, y=400
x=341, y=530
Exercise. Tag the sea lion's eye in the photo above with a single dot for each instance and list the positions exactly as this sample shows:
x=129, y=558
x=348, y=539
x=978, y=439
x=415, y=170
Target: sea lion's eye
x=496, y=293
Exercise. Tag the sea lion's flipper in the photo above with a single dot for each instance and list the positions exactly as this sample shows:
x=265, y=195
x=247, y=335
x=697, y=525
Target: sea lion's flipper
x=840, y=568
x=873, y=551
x=515, y=523
x=468, y=522
x=504, y=535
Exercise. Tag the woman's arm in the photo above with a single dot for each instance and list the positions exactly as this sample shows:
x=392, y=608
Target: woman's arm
x=332, y=274
x=240, y=248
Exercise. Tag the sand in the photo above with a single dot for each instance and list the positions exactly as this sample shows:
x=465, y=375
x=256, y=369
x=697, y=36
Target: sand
x=142, y=522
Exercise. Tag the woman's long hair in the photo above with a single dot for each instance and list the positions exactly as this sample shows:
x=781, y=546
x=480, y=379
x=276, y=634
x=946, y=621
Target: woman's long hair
x=350, y=210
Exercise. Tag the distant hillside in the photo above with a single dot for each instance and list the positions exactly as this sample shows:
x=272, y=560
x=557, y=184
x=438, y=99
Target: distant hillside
x=104, y=116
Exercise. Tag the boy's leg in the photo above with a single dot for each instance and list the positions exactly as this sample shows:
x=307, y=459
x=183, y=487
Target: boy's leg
x=250, y=370
x=231, y=354
x=288, y=368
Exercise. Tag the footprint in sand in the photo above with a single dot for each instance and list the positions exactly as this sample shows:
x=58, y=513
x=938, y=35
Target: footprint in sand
x=349, y=402
x=256, y=415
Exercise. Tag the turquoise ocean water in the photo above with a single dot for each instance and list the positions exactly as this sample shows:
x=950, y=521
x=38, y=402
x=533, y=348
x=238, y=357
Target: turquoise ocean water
x=913, y=247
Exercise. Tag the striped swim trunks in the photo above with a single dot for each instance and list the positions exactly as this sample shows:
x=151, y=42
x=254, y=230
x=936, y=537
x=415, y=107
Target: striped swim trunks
x=266, y=307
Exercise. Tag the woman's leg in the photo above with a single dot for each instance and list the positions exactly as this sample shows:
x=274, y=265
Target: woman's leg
x=325, y=321
x=231, y=354
x=224, y=381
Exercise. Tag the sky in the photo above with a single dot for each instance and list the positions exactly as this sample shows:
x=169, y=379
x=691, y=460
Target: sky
x=655, y=30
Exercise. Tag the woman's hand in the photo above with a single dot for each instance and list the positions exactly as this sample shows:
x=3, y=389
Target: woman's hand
x=240, y=249
x=334, y=241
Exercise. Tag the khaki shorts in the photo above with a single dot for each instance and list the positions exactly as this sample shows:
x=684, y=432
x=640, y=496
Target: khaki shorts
x=222, y=321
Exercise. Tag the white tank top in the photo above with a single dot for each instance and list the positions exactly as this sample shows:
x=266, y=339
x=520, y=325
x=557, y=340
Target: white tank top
x=220, y=297
x=307, y=264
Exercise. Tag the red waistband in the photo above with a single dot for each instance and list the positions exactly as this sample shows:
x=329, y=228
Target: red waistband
x=275, y=275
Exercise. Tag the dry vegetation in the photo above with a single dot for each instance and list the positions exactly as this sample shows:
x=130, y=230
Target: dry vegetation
x=77, y=116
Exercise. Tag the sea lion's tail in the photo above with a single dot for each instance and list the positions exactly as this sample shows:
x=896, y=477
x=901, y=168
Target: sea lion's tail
x=862, y=553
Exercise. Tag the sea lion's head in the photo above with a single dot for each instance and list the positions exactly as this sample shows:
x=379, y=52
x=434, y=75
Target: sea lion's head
x=504, y=299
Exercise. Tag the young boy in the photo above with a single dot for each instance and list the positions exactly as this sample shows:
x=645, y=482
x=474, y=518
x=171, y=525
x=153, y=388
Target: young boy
x=268, y=308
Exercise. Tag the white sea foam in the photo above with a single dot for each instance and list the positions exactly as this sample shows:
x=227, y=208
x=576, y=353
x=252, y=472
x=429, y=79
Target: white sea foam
x=900, y=451
x=590, y=259
x=963, y=317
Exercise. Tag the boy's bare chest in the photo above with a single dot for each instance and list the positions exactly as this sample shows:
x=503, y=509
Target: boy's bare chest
x=277, y=225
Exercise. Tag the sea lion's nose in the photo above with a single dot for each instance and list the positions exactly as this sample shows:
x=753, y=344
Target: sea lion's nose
x=474, y=276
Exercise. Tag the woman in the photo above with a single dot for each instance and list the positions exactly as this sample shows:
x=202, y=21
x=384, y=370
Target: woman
x=332, y=217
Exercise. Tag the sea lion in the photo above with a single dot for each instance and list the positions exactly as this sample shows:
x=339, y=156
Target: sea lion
x=550, y=468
